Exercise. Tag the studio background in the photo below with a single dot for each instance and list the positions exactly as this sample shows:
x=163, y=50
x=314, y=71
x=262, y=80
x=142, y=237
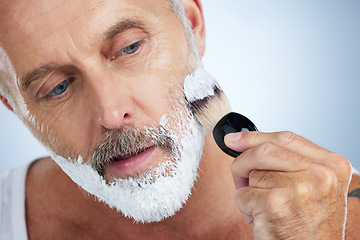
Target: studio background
x=287, y=65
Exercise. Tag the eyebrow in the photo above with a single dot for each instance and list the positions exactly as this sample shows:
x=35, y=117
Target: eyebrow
x=42, y=71
x=37, y=74
x=122, y=26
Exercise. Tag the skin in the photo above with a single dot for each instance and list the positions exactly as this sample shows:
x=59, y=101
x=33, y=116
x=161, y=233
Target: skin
x=285, y=186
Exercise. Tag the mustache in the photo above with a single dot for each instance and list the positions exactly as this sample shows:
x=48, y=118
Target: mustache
x=129, y=140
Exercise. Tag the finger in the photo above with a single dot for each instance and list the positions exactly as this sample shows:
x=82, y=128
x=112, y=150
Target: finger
x=267, y=157
x=263, y=204
x=246, y=140
x=248, y=218
x=274, y=179
x=247, y=200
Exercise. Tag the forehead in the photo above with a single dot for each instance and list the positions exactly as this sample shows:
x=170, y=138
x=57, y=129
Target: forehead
x=34, y=30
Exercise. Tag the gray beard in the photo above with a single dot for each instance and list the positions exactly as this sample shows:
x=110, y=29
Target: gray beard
x=156, y=194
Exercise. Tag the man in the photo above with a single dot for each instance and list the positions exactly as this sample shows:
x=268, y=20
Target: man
x=100, y=84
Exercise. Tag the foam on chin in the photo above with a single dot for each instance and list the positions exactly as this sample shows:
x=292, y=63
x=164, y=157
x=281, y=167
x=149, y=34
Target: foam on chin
x=153, y=197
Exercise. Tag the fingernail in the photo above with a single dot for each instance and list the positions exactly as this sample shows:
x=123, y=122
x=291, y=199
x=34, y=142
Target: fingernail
x=232, y=138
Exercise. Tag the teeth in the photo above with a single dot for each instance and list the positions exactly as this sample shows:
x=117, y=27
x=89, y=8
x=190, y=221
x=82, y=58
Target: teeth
x=124, y=157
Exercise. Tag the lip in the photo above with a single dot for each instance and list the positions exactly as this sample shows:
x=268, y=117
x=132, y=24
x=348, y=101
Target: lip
x=133, y=164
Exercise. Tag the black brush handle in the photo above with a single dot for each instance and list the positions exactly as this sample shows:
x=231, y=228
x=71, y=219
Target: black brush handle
x=231, y=123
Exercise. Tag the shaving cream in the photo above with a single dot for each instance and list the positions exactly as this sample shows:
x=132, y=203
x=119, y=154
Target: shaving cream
x=161, y=192
x=156, y=195
x=199, y=85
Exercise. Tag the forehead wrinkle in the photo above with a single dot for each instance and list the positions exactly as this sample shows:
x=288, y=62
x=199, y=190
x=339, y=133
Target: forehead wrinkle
x=40, y=72
x=49, y=16
x=96, y=5
x=44, y=10
x=67, y=23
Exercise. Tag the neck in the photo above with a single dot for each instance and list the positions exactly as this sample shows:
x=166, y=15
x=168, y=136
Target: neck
x=211, y=209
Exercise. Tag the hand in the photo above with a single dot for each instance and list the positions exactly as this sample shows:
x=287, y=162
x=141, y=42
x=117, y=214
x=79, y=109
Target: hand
x=288, y=187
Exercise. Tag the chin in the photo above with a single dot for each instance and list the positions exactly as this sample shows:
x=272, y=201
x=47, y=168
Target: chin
x=140, y=186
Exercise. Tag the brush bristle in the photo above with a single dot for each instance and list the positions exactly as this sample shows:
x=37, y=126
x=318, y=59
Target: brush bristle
x=211, y=109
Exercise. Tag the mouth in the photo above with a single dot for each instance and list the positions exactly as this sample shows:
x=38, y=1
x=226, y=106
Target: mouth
x=131, y=164
x=130, y=155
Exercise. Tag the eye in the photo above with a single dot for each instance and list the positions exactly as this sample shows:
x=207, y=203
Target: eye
x=131, y=49
x=59, y=89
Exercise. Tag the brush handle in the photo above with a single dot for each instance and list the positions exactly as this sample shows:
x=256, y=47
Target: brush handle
x=231, y=123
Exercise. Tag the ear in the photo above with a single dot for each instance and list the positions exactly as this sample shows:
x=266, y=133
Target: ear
x=6, y=103
x=195, y=17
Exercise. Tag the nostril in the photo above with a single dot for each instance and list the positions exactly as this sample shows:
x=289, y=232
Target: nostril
x=112, y=119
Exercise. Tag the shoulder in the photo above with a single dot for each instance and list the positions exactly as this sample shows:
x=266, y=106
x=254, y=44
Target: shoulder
x=13, y=181
x=12, y=203
x=353, y=223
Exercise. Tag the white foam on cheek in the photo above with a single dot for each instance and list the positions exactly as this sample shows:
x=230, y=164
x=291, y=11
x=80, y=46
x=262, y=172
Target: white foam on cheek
x=199, y=85
x=163, y=120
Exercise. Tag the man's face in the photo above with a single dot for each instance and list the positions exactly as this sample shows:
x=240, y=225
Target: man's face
x=102, y=82
x=86, y=67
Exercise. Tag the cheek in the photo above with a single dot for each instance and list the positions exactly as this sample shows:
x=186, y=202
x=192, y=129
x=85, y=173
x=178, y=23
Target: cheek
x=67, y=130
x=160, y=93
x=171, y=52
x=163, y=76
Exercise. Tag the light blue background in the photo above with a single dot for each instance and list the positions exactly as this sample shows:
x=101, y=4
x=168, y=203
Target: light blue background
x=287, y=65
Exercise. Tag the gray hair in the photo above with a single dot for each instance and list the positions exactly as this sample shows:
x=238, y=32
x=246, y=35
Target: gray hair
x=177, y=7
x=8, y=78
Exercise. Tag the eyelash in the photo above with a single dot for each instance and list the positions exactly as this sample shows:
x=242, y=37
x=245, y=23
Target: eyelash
x=51, y=94
x=122, y=52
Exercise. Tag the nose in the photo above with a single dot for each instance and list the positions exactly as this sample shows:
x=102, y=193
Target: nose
x=113, y=101
x=112, y=116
